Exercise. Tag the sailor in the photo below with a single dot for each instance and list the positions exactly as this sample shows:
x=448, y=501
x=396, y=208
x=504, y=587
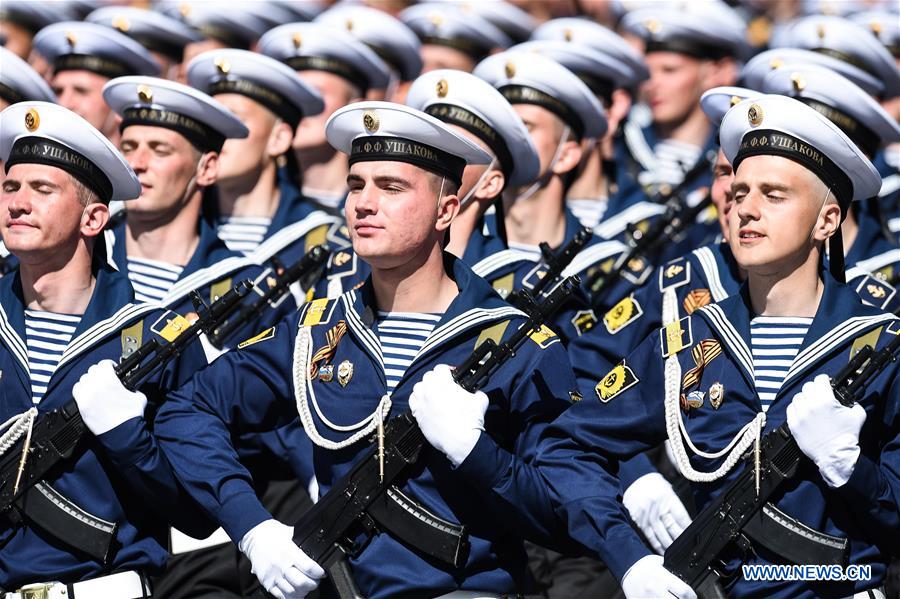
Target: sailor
x=62, y=311
x=420, y=310
x=84, y=56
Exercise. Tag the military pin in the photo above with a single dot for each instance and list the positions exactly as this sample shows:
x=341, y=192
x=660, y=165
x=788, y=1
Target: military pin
x=345, y=372
x=716, y=395
x=695, y=399
x=326, y=373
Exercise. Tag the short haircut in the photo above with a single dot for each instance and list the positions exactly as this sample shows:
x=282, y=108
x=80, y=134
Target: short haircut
x=84, y=193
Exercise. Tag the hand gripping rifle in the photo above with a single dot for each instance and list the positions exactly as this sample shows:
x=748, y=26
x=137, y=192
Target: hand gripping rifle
x=368, y=500
x=743, y=513
x=60, y=435
x=310, y=263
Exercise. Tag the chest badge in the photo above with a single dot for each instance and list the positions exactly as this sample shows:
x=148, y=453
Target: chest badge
x=716, y=395
x=326, y=373
x=345, y=372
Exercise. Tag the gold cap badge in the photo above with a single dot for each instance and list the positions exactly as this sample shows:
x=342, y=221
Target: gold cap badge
x=442, y=88
x=510, y=70
x=71, y=38
x=145, y=94
x=567, y=34
x=798, y=81
x=298, y=40
x=735, y=100
x=370, y=121
x=755, y=115
x=121, y=23
x=653, y=26
x=222, y=65
x=349, y=24
x=32, y=119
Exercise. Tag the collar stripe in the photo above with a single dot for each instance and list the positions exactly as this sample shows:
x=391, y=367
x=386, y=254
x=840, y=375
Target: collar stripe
x=289, y=234
x=716, y=318
x=711, y=270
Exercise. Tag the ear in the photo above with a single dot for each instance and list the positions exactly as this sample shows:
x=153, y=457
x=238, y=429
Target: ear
x=569, y=157
x=492, y=185
x=280, y=139
x=829, y=221
x=94, y=219
x=447, y=210
x=618, y=110
x=208, y=169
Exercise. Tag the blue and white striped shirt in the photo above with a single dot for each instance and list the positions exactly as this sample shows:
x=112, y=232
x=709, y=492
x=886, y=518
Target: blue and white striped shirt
x=47, y=335
x=151, y=279
x=243, y=233
x=775, y=341
x=402, y=335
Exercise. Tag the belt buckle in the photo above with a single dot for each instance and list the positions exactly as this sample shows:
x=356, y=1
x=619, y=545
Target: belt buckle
x=36, y=591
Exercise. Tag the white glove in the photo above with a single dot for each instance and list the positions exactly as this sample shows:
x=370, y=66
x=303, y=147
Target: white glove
x=282, y=567
x=648, y=579
x=655, y=508
x=103, y=400
x=450, y=417
x=826, y=431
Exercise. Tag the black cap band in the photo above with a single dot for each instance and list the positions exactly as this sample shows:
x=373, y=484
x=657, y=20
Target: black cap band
x=866, y=139
x=96, y=64
x=10, y=95
x=399, y=149
x=41, y=150
x=690, y=47
x=330, y=65
x=201, y=136
x=602, y=88
x=229, y=38
x=844, y=57
x=522, y=94
x=474, y=124
x=476, y=52
x=171, y=50
x=275, y=102
x=776, y=143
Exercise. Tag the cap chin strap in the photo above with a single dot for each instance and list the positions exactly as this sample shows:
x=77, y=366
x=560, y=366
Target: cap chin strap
x=544, y=177
x=471, y=193
x=835, y=245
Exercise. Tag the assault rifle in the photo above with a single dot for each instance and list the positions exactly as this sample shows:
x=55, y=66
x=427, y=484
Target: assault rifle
x=550, y=267
x=368, y=499
x=60, y=435
x=302, y=269
x=726, y=527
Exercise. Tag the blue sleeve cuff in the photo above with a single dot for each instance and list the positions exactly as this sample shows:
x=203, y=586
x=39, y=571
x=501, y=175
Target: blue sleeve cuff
x=240, y=513
x=623, y=549
x=129, y=443
x=486, y=463
x=866, y=482
x=633, y=469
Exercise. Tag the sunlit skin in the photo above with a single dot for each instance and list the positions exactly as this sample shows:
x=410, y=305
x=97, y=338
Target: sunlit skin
x=675, y=85
x=436, y=57
x=48, y=228
x=397, y=216
x=720, y=191
x=336, y=92
x=190, y=51
x=778, y=225
x=18, y=39
x=82, y=93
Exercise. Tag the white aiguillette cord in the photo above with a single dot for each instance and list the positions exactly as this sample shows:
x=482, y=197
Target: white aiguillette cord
x=15, y=427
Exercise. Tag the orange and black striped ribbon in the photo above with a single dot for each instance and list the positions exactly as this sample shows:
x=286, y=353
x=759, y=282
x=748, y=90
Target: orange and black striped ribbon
x=703, y=353
x=324, y=354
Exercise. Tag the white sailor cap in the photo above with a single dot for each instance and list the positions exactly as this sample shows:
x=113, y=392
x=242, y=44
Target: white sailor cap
x=386, y=35
x=235, y=26
x=445, y=24
x=19, y=82
x=782, y=126
x=319, y=47
x=717, y=101
x=462, y=99
x=74, y=45
x=598, y=38
x=847, y=41
x=307, y=10
x=32, y=15
x=162, y=103
x=153, y=30
x=756, y=69
x=385, y=131
x=884, y=25
x=508, y=18
x=600, y=72
x=528, y=78
x=857, y=113
x=705, y=30
x=45, y=133
x=261, y=78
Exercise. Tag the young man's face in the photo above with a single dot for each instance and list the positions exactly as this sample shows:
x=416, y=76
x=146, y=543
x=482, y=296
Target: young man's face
x=676, y=83
x=165, y=162
x=40, y=213
x=245, y=157
x=436, y=57
x=82, y=93
x=392, y=212
x=336, y=92
x=546, y=130
x=775, y=221
x=720, y=191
